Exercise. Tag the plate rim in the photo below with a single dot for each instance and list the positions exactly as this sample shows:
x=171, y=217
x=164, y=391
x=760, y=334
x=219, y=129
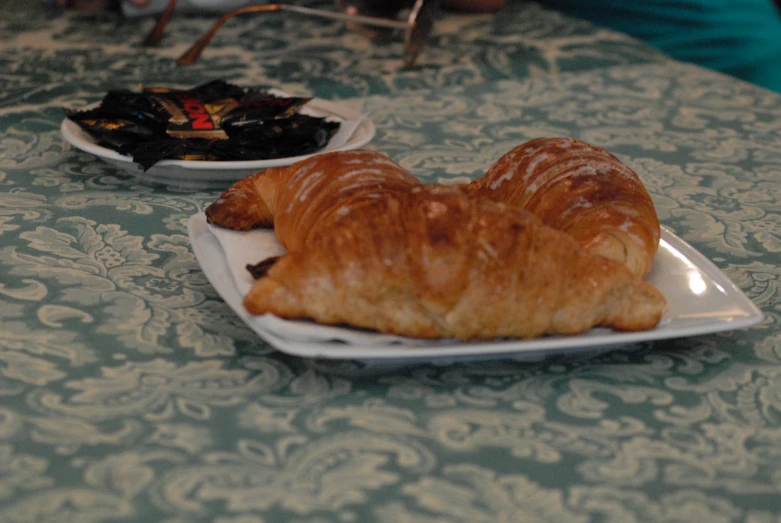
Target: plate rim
x=222, y=282
x=79, y=139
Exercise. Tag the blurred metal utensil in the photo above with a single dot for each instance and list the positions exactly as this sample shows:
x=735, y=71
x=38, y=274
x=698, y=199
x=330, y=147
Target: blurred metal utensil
x=156, y=34
x=415, y=28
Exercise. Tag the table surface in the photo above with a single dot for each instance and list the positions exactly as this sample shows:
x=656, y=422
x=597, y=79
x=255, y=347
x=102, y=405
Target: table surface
x=129, y=391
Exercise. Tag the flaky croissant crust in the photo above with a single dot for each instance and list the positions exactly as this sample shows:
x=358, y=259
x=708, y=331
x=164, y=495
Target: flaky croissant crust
x=298, y=199
x=582, y=190
x=372, y=247
x=433, y=262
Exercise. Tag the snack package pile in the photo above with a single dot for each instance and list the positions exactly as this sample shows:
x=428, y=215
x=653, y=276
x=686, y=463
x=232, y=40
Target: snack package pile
x=214, y=121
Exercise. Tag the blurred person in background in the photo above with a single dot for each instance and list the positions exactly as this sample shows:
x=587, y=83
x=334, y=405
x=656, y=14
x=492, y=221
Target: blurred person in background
x=738, y=37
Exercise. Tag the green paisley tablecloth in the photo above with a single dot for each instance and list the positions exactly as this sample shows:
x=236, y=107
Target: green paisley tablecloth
x=130, y=392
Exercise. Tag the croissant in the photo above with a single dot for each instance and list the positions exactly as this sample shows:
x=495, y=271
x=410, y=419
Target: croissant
x=582, y=190
x=298, y=199
x=371, y=247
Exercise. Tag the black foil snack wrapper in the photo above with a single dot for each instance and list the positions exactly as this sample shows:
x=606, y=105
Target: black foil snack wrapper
x=213, y=121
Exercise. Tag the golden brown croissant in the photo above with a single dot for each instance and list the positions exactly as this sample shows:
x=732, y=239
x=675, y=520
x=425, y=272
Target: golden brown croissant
x=373, y=248
x=582, y=190
x=433, y=262
x=309, y=194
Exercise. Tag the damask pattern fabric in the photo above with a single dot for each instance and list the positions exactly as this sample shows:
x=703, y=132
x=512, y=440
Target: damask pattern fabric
x=130, y=392
x=298, y=54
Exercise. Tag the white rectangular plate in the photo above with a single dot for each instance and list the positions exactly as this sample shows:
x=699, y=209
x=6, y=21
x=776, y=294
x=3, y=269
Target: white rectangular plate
x=700, y=300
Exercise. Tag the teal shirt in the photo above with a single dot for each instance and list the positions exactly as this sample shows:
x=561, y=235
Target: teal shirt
x=737, y=37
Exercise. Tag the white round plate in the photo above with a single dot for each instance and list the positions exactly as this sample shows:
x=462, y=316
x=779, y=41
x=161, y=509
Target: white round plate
x=211, y=174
